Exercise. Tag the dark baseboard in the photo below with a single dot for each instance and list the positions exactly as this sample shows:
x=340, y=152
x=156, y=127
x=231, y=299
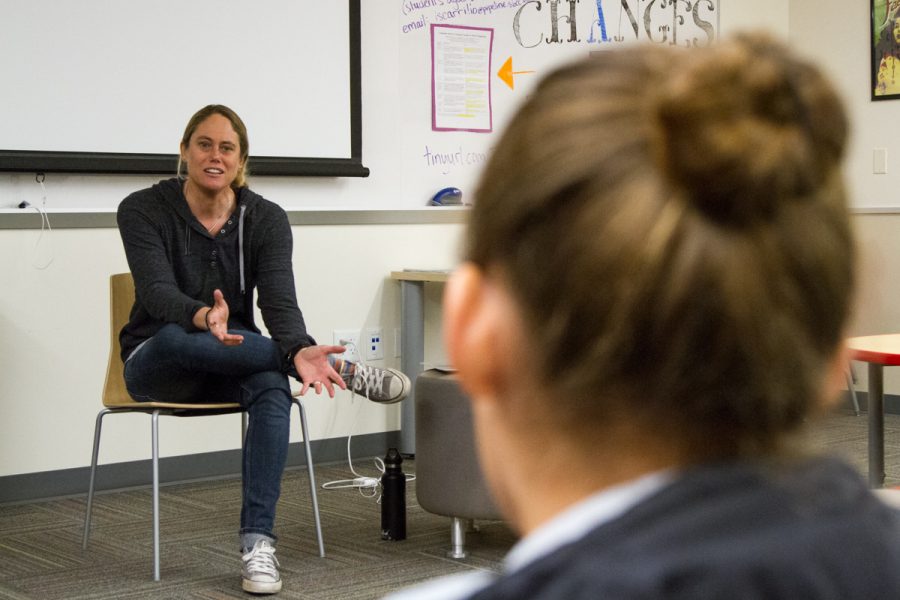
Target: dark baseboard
x=30, y=487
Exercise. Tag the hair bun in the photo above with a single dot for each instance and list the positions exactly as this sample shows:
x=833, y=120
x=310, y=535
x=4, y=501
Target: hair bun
x=746, y=128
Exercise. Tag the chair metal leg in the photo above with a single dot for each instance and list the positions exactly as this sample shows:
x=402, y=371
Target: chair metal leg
x=457, y=538
x=851, y=379
x=90, y=497
x=155, y=449
x=852, y=389
x=245, y=422
x=312, y=476
x=154, y=442
x=472, y=526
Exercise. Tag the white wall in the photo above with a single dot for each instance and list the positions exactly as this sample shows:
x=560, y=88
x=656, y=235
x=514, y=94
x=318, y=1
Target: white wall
x=53, y=322
x=768, y=15
x=54, y=338
x=54, y=331
x=394, y=166
x=836, y=34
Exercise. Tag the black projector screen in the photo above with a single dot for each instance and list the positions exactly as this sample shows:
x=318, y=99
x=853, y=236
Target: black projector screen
x=107, y=86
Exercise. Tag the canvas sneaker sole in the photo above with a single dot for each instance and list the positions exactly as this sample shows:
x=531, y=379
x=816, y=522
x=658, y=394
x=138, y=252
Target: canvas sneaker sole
x=261, y=587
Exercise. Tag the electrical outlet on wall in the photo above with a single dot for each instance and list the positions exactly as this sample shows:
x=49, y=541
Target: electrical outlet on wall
x=374, y=341
x=879, y=161
x=350, y=339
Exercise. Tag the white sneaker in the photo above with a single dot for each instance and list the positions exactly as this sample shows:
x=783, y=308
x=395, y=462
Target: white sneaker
x=260, y=570
x=385, y=386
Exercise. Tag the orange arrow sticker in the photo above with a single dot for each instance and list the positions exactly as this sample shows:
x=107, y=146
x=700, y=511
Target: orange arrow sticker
x=506, y=73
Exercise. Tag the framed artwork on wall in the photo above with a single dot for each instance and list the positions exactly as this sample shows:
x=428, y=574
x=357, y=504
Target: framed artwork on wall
x=885, y=40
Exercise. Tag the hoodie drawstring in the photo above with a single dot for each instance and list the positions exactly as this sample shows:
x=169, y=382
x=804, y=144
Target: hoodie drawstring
x=241, y=245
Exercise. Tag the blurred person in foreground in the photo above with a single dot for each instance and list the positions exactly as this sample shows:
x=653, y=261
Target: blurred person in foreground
x=656, y=282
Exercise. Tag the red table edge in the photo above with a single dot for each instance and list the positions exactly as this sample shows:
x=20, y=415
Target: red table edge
x=881, y=357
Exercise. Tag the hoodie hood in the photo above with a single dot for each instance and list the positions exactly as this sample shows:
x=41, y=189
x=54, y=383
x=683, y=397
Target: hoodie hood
x=172, y=192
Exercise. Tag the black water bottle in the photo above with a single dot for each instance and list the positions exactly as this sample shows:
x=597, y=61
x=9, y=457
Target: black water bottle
x=393, y=498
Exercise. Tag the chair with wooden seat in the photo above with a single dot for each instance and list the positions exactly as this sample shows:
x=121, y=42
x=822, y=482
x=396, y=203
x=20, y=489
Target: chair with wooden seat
x=117, y=400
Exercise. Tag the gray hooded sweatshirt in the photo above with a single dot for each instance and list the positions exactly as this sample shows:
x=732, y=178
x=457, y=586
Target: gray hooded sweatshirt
x=177, y=264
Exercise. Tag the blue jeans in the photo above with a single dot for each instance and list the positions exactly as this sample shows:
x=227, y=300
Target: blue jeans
x=176, y=366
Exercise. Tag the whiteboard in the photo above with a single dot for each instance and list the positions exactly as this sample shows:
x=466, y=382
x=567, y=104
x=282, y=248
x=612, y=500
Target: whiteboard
x=529, y=38
x=108, y=85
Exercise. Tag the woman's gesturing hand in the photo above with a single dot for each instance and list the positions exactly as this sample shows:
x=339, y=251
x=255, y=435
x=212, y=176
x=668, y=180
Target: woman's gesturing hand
x=216, y=321
x=314, y=369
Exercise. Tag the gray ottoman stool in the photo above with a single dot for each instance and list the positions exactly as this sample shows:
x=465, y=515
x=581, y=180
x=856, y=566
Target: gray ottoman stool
x=448, y=478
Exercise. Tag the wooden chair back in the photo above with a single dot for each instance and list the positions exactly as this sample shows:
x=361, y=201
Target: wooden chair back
x=115, y=394
x=121, y=299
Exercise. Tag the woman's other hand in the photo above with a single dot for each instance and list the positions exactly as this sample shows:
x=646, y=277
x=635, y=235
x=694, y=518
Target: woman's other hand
x=314, y=369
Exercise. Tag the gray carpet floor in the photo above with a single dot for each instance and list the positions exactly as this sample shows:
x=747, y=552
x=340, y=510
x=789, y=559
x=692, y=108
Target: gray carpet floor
x=41, y=556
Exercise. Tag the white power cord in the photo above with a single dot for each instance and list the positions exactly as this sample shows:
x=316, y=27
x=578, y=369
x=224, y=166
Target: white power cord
x=45, y=224
x=369, y=487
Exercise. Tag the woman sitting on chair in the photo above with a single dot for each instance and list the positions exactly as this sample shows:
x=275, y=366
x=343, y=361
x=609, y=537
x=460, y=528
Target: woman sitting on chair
x=198, y=246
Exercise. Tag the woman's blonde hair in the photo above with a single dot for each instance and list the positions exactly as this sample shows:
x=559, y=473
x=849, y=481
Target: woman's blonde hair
x=674, y=226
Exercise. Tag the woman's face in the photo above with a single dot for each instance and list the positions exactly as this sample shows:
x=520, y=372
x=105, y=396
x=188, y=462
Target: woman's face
x=213, y=155
x=896, y=31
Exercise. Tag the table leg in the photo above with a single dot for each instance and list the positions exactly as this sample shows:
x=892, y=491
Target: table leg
x=876, y=425
x=412, y=359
